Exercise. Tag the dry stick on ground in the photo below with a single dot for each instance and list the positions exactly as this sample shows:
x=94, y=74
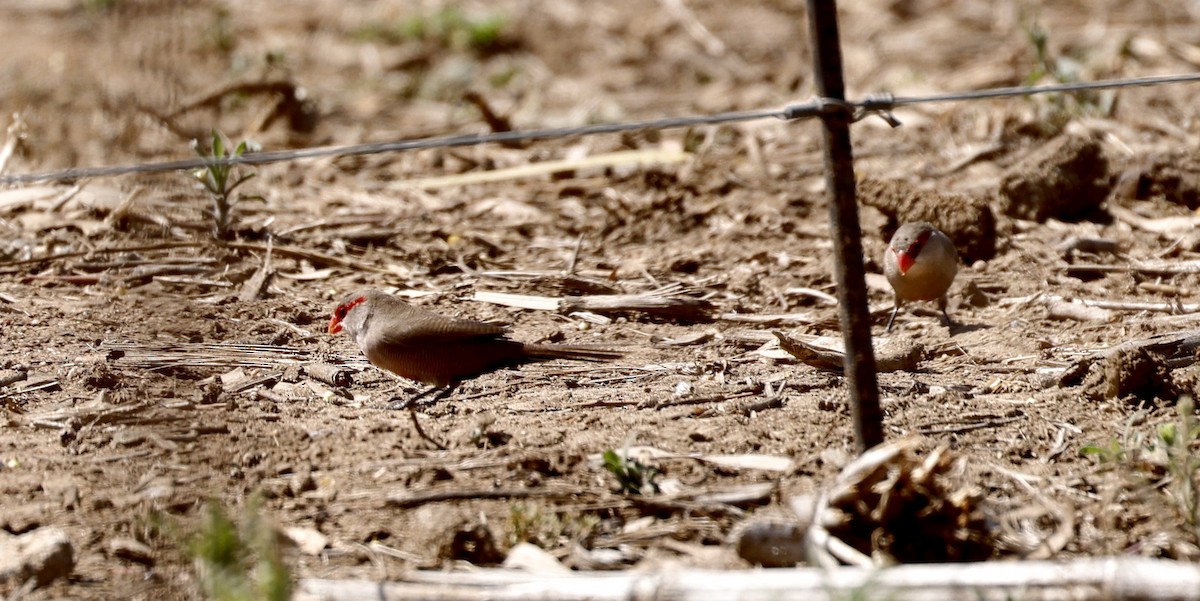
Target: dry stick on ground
x=33, y=386
x=1115, y=578
x=1077, y=311
x=896, y=355
x=968, y=423
x=256, y=286
x=1065, y=516
x=770, y=318
x=217, y=354
x=291, y=103
x=287, y=251
x=524, y=171
x=17, y=131
x=1161, y=225
x=703, y=400
x=657, y=303
x=422, y=497
x=1162, y=268
x=1178, y=347
x=1105, y=305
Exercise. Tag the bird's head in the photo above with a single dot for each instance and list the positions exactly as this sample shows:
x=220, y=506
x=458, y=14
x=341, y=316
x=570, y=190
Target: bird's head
x=909, y=248
x=337, y=322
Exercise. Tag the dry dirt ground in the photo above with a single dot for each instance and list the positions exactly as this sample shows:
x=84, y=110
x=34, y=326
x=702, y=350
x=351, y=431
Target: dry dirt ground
x=140, y=383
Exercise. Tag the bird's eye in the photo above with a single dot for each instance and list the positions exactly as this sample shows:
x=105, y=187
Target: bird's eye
x=340, y=312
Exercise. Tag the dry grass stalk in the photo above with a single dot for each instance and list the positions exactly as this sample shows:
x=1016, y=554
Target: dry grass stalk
x=1112, y=578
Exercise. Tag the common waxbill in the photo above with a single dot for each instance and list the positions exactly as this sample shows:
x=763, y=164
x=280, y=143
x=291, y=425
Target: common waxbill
x=440, y=351
x=920, y=263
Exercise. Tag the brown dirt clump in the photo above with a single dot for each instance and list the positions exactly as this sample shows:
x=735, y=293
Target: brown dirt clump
x=1135, y=374
x=967, y=220
x=1066, y=179
x=1172, y=176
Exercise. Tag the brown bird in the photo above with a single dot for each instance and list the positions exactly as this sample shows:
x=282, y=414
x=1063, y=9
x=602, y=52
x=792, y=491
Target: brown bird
x=920, y=264
x=440, y=351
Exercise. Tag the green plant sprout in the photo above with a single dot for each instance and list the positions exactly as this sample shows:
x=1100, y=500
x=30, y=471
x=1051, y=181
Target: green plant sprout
x=548, y=529
x=239, y=561
x=1060, y=109
x=221, y=180
x=1170, y=452
x=448, y=27
x=633, y=476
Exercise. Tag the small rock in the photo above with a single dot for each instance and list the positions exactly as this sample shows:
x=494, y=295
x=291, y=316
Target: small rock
x=683, y=389
x=131, y=550
x=770, y=542
x=309, y=540
x=301, y=483
x=531, y=558
x=42, y=556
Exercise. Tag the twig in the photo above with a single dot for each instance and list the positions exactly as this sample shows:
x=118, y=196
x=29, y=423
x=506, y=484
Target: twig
x=713, y=46
x=1162, y=225
x=574, y=261
x=1057, y=309
x=659, y=303
x=769, y=319
x=438, y=495
x=12, y=377
x=1122, y=578
x=17, y=131
x=824, y=297
x=412, y=412
x=1164, y=268
x=1175, y=307
x=991, y=423
x=894, y=355
x=34, y=386
x=256, y=286
x=704, y=400
x=525, y=171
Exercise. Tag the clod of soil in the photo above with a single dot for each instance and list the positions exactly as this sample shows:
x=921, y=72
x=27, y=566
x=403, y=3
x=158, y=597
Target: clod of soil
x=1067, y=179
x=910, y=508
x=968, y=221
x=474, y=543
x=1173, y=176
x=1134, y=374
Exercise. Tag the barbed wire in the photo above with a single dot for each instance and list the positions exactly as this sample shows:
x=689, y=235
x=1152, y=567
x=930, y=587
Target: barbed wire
x=877, y=104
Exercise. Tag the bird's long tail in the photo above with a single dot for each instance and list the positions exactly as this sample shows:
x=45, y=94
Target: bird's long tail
x=572, y=352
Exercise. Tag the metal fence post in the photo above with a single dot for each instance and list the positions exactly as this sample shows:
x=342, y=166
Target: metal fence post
x=847, y=235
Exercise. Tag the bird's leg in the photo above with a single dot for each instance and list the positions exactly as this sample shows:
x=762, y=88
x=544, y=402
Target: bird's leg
x=891, y=319
x=949, y=323
x=442, y=392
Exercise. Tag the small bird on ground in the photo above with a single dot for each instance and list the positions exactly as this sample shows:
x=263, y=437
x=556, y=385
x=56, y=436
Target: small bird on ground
x=440, y=351
x=920, y=263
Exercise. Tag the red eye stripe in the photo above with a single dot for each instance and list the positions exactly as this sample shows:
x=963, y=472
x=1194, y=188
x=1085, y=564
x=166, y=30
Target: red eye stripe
x=344, y=308
x=914, y=249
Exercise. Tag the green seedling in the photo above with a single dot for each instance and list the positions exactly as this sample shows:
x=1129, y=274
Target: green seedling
x=221, y=180
x=1169, y=457
x=633, y=476
x=239, y=561
x=1059, y=109
x=548, y=529
x=448, y=28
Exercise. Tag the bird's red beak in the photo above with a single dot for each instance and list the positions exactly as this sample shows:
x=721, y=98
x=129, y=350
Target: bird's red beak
x=903, y=260
x=335, y=325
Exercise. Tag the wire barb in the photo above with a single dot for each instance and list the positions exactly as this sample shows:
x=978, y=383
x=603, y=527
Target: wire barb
x=880, y=105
